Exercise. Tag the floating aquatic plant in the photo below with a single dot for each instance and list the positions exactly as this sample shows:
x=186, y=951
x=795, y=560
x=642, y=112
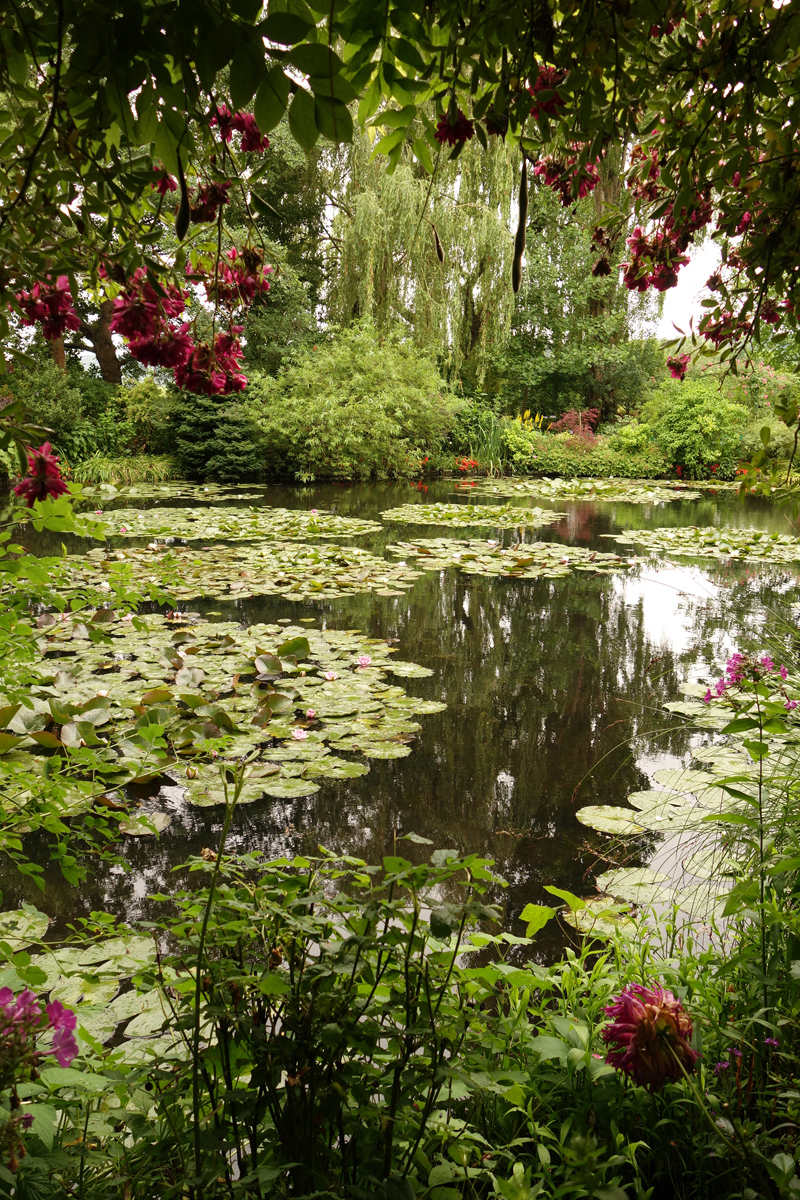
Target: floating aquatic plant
x=528, y=560
x=233, y=524
x=748, y=545
x=628, y=490
x=495, y=516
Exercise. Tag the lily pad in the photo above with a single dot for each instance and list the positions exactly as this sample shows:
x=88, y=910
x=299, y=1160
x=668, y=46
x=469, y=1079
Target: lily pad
x=294, y=570
x=631, y=491
x=23, y=926
x=606, y=818
x=142, y=824
x=527, y=560
x=463, y=516
x=214, y=693
x=746, y=545
x=602, y=918
x=233, y=524
x=640, y=885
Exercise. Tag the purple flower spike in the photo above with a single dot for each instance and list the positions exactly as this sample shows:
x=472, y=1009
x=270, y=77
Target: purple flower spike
x=790, y=704
x=720, y=1067
x=736, y=1053
x=771, y=1042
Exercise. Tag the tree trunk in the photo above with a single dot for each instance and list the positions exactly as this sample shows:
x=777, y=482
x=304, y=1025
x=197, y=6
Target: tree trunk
x=104, y=349
x=59, y=354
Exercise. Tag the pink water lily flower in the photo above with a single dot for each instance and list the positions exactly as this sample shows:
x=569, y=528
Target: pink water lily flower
x=329, y=675
x=123, y=528
x=299, y=735
x=314, y=511
x=310, y=714
x=364, y=661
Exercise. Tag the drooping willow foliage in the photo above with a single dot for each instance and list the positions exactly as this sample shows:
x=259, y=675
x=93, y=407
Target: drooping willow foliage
x=385, y=255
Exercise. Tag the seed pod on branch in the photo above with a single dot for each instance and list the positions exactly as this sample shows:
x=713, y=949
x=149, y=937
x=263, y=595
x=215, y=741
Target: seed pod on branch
x=184, y=208
x=519, y=240
x=439, y=250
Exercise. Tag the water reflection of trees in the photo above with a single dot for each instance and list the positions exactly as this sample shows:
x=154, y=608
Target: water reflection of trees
x=543, y=681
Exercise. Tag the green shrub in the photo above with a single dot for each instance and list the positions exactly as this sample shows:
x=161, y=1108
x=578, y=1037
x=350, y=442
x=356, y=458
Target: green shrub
x=151, y=411
x=217, y=440
x=86, y=415
x=479, y=434
x=357, y=407
x=697, y=427
x=631, y=437
x=534, y=453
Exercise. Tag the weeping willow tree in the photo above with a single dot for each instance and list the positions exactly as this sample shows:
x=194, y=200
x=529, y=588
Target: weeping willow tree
x=429, y=250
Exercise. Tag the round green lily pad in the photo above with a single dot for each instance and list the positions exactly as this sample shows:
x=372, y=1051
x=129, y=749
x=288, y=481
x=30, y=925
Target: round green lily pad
x=747, y=545
x=631, y=491
x=528, y=560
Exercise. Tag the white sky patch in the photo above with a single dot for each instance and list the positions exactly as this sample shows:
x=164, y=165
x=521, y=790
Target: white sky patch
x=681, y=303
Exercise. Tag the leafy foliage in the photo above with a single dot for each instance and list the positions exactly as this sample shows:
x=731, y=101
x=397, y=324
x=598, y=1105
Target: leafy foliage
x=533, y=452
x=358, y=406
x=697, y=427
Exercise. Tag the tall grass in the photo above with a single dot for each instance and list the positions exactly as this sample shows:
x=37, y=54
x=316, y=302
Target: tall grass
x=487, y=444
x=139, y=469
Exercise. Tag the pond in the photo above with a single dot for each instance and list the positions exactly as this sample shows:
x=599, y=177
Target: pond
x=554, y=690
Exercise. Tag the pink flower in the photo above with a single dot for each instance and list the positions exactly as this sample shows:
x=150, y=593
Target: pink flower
x=329, y=675
x=310, y=714
x=364, y=661
x=790, y=704
x=209, y=199
x=165, y=183
x=98, y=512
x=43, y=478
x=62, y=1021
x=782, y=671
x=707, y=697
x=314, y=511
x=546, y=81
x=648, y=1037
x=123, y=528
x=299, y=735
x=677, y=365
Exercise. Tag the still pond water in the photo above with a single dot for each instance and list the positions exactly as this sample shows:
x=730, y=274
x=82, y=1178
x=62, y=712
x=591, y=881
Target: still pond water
x=553, y=689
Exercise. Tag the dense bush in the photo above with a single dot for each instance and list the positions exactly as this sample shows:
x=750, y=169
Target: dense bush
x=151, y=412
x=85, y=414
x=535, y=453
x=697, y=427
x=356, y=407
x=217, y=440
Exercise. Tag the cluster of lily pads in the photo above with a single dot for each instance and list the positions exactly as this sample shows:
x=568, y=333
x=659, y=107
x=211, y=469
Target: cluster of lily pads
x=164, y=491
x=183, y=700
x=464, y=516
x=294, y=570
x=529, y=560
x=233, y=524
x=748, y=545
x=632, y=491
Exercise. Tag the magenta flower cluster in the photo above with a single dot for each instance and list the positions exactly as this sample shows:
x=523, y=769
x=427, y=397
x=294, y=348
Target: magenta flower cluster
x=22, y=1020
x=245, y=124
x=570, y=185
x=43, y=478
x=739, y=668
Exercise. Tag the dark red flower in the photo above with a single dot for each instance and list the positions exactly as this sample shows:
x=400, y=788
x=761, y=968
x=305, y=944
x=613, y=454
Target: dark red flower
x=214, y=371
x=649, y=1036
x=547, y=82
x=451, y=135
x=253, y=141
x=209, y=200
x=165, y=184
x=43, y=478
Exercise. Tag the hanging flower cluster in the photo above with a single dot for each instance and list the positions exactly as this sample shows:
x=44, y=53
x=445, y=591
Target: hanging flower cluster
x=210, y=199
x=643, y=184
x=570, y=185
x=243, y=123
x=146, y=318
x=461, y=130
x=165, y=183
x=238, y=279
x=214, y=369
x=648, y=1036
x=547, y=82
x=43, y=479
x=51, y=304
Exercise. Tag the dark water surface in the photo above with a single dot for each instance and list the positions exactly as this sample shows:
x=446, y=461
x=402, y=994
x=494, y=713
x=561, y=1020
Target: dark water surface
x=553, y=690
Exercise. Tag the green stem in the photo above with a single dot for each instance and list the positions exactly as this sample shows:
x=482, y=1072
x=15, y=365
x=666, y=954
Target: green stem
x=230, y=805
